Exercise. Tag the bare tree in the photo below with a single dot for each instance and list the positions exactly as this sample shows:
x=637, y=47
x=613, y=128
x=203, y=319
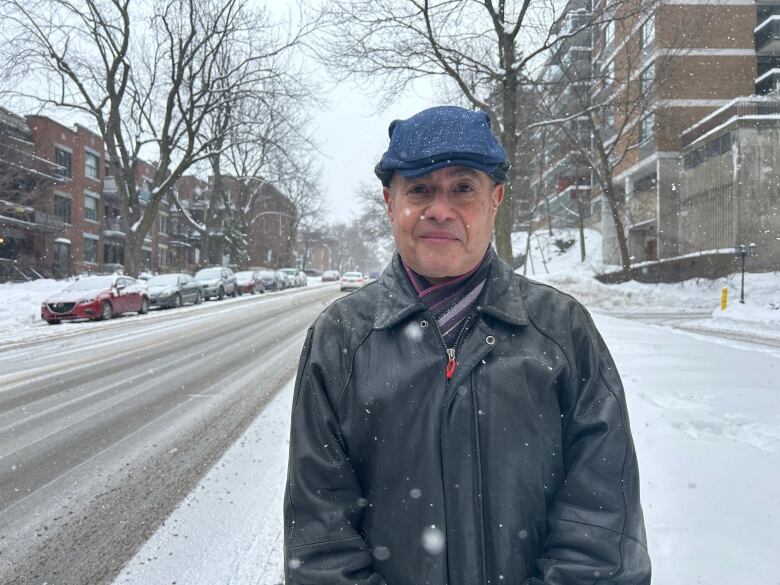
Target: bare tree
x=148, y=75
x=481, y=48
x=605, y=111
x=374, y=220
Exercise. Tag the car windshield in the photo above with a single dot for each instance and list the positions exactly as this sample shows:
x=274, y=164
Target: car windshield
x=265, y=274
x=353, y=275
x=209, y=273
x=163, y=280
x=244, y=275
x=290, y=271
x=92, y=283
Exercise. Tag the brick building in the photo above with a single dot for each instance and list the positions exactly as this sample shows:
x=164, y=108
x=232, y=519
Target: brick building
x=28, y=224
x=684, y=73
x=270, y=224
x=68, y=219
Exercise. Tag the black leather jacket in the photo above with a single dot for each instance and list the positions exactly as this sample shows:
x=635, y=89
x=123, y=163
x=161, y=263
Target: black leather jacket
x=519, y=470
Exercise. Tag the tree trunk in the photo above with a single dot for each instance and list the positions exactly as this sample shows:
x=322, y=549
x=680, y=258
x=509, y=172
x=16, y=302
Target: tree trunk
x=132, y=260
x=614, y=210
x=581, y=222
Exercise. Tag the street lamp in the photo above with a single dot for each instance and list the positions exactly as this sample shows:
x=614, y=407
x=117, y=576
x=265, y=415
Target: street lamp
x=743, y=251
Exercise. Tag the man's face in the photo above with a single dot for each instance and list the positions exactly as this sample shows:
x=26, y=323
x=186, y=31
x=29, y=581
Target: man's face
x=443, y=222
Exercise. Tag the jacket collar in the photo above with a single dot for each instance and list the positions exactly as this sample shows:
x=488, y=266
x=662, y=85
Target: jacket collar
x=502, y=297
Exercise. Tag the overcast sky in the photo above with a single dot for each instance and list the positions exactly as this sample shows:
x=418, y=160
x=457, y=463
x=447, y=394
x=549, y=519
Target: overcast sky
x=352, y=136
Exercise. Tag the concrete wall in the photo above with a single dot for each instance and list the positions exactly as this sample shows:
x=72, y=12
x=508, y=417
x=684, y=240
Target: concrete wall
x=757, y=153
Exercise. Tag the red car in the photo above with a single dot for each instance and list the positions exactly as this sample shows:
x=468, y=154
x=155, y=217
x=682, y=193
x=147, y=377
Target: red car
x=249, y=282
x=96, y=297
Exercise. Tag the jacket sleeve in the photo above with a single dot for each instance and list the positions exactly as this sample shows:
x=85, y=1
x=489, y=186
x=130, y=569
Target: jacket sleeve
x=595, y=526
x=322, y=505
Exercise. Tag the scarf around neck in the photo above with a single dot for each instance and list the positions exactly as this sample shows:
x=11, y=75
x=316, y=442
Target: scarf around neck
x=451, y=301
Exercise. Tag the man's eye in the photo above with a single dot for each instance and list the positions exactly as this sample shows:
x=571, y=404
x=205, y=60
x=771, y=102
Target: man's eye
x=417, y=189
x=464, y=188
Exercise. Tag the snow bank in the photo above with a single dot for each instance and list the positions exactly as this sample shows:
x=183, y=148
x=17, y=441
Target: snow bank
x=760, y=315
x=20, y=309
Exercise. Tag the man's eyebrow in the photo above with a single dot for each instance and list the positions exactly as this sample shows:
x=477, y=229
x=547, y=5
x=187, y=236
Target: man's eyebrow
x=461, y=171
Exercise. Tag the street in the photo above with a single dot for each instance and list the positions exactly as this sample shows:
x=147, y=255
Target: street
x=103, y=433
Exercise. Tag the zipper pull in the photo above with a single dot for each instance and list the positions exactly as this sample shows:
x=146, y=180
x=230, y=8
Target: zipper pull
x=450, y=363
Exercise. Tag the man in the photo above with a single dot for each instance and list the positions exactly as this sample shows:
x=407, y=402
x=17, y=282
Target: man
x=455, y=423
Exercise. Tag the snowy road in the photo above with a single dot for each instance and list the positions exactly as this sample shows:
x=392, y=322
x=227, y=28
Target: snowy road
x=705, y=413
x=103, y=432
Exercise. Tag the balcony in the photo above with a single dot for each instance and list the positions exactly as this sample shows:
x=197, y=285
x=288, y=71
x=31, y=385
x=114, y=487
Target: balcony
x=113, y=228
x=769, y=82
x=29, y=219
x=768, y=36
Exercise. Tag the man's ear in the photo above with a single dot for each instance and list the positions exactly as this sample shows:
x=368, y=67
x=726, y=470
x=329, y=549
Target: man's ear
x=498, y=195
x=388, y=195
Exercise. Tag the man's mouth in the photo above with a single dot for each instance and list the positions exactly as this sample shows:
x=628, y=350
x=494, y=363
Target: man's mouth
x=439, y=237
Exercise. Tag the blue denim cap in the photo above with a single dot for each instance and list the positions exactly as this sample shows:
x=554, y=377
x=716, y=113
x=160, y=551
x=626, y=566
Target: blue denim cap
x=441, y=137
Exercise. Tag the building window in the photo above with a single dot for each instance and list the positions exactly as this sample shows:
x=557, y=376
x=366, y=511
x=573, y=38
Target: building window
x=162, y=224
x=162, y=257
x=91, y=207
x=91, y=165
x=647, y=33
x=647, y=79
x=90, y=250
x=62, y=208
x=609, y=34
x=646, y=127
x=63, y=160
x=113, y=253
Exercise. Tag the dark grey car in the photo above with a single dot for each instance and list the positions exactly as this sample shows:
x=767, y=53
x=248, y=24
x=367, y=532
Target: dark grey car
x=272, y=279
x=173, y=290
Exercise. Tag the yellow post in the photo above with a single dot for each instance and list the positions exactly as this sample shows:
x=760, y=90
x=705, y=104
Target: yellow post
x=724, y=298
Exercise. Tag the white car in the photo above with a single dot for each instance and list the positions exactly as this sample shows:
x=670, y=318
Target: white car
x=352, y=281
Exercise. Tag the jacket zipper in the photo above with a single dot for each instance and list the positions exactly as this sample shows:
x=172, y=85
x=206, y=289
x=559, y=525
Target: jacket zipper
x=451, y=351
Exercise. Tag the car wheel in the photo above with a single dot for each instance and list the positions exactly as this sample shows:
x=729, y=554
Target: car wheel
x=177, y=302
x=106, y=311
x=221, y=294
x=144, y=308
x=199, y=298
x=53, y=321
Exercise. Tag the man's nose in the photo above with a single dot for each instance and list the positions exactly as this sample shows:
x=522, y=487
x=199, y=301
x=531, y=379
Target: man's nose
x=439, y=209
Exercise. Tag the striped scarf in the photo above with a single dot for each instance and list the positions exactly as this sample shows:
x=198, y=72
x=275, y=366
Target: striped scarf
x=451, y=301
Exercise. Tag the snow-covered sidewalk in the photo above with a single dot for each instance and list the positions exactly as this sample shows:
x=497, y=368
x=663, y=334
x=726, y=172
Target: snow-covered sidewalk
x=228, y=531
x=706, y=420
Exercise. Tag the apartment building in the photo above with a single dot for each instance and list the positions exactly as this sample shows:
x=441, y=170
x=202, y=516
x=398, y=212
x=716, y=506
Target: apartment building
x=270, y=222
x=684, y=60
x=59, y=208
x=29, y=226
x=560, y=175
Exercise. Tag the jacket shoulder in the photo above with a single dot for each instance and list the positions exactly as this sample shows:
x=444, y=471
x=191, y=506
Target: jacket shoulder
x=351, y=315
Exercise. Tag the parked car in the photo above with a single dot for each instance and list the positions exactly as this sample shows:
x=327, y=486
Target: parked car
x=352, y=281
x=173, y=290
x=217, y=281
x=285, y=281
x=292, y=276
x=96, y=298
x=331, y=276
x=302, y=278
x=249, y=281
x=271, y=281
